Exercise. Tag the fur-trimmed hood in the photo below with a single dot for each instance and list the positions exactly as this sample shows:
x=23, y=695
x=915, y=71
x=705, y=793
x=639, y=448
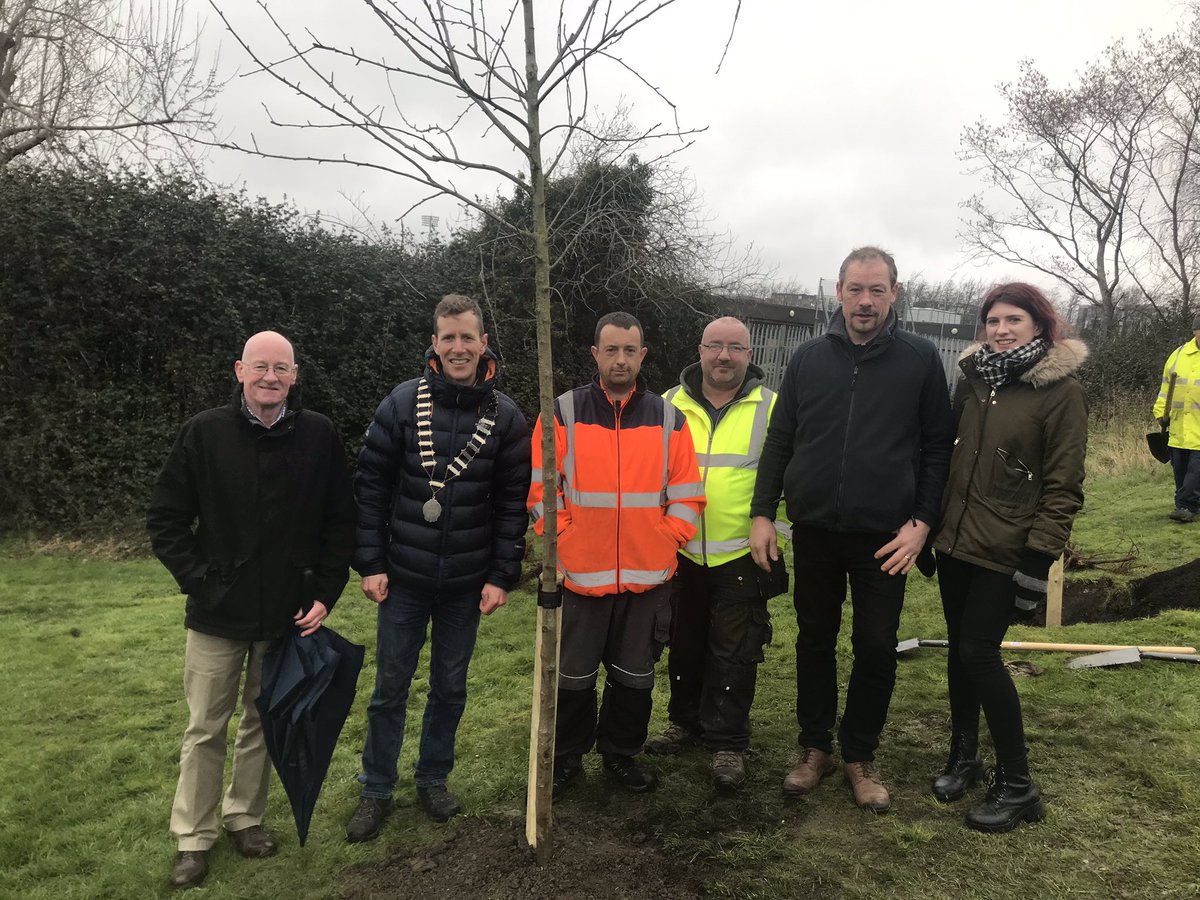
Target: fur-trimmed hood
x=1062, y=359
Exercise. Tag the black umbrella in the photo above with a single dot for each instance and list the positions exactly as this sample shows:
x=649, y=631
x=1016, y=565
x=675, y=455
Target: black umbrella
x=307, y=690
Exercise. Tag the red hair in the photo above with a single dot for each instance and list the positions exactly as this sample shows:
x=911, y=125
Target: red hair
x=1032, y=301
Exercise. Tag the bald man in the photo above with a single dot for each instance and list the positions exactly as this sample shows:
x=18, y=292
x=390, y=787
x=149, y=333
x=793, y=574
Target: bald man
x=720, y=622
x=253, y=495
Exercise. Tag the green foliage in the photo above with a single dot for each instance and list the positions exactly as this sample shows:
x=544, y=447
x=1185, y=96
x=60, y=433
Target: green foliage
x=127, y=297
x=126, y=300
x=616, y=243
x=1127, y=365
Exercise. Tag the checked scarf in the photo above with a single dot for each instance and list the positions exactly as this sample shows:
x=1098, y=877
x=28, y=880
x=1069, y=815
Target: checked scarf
x=1005, y=367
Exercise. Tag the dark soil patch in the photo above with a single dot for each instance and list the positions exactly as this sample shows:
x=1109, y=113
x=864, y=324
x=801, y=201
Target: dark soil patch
x=480, y=859
x=1106, y=601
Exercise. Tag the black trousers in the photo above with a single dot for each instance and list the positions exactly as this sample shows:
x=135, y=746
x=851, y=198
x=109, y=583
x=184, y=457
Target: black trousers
x=1186, y=466
x=824, y=561
x=978, y=604
x=626, y=632
x=719, y=626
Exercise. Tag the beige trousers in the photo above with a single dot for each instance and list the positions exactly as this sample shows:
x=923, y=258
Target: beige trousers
x=212, y=674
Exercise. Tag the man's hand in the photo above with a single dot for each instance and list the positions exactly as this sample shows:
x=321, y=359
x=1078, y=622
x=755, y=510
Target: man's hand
x=764, y=544
x=311, y=622
x=375, y=587
x=901, y=551
x=491, y=598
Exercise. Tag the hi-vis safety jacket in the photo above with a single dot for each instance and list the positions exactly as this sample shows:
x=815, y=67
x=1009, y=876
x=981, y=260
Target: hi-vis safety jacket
x=629, y=491
x=1185, y=401
x=728, y=443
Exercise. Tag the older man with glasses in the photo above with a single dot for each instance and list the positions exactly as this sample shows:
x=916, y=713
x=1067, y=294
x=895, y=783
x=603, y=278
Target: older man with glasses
x=253, y=494
x=719, y=622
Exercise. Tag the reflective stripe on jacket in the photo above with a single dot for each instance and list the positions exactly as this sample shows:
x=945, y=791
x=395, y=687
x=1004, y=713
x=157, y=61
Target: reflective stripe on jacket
x=629, y=489
x=727, y=453
x=1185, y=400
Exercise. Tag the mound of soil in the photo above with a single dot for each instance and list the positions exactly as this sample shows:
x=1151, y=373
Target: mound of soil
x=1106, y=601
x=488, y=858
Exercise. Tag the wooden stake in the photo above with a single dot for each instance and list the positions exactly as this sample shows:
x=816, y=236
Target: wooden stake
x=539, y=795
x=1054, y=595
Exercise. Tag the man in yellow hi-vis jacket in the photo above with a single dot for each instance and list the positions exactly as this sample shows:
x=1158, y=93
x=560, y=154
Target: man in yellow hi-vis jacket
x=719, y=622
x=1183, y=419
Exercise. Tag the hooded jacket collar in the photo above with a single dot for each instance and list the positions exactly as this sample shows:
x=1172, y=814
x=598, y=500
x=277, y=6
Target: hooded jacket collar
x=450, y=394
x=1062, y=359
x=691, y=379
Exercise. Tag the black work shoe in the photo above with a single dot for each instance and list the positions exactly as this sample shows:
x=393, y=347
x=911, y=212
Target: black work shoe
x=1182, y=514
x=253, y=842
x=629, y=774
x=367, y=820
x=675, y=738
x=567, y=770
x=728, y=770
x=189, y=868
x=963, y=768
x=1011, y=799
x=438, y=802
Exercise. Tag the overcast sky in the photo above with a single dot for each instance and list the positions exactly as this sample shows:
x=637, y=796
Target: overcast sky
x=829, y=125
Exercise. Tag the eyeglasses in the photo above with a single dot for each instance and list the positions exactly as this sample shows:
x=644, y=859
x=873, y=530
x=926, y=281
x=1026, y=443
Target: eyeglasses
x=734, y=349
x=281, y=370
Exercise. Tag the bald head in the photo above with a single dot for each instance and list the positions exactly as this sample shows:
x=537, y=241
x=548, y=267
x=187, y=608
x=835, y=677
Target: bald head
x=268, y=342
x=267, y=371
x=724, y=356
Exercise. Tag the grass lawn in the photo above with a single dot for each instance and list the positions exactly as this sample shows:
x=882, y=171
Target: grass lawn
x=92, y=716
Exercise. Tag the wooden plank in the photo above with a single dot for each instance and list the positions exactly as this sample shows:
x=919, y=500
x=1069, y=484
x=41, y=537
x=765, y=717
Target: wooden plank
x=1054, y=595
x=539, y=795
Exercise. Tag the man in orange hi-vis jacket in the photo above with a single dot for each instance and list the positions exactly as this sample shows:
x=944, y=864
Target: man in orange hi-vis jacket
x=629, y=497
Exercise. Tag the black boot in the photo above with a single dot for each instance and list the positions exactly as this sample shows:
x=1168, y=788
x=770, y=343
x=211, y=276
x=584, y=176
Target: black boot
x=963, y=767
x=1013, y=798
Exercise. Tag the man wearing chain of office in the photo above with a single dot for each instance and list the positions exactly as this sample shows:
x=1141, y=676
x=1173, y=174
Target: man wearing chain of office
x=441, y=486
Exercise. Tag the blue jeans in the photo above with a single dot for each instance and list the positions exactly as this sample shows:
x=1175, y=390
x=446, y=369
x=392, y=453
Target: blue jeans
x=403, y=618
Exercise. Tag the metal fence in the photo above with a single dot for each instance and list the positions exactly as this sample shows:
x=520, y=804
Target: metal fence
x=775, y=342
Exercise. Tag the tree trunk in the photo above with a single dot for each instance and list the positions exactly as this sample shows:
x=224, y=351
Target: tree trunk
x=538, y=822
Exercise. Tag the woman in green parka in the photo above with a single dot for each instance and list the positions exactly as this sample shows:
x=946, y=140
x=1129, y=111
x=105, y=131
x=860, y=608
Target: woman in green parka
x=1016, y=483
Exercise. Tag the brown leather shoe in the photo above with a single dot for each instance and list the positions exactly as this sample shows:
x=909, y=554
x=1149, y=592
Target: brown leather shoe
x=189, y=868
x=807, y=774
x=253, y=842
x=869, y=792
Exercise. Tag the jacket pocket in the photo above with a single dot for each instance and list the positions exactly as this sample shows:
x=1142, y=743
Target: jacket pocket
x=1014, y=483
x=212, y=591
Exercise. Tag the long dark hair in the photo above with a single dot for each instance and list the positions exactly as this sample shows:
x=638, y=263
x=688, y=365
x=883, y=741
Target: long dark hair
x=1033, y=301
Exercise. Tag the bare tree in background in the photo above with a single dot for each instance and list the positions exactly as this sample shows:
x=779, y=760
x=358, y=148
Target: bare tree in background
x=1163, y=260
x=97, y=78
x=483, y=68
x=1062, y=169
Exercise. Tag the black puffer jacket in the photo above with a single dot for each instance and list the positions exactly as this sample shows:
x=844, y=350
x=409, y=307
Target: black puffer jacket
x=1016, y=478
x=265, y=506
x=859, y=440
x=480, y=536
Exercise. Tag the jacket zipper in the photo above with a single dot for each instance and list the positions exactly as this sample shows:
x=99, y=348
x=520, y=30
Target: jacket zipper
x=617, y=421
x=845, y=445
x=987, y=403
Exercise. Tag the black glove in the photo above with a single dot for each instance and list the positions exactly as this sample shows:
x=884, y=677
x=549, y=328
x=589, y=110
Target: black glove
x=1031, y=579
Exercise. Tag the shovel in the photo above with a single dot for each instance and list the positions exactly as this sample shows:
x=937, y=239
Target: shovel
x=1127, y=656
x=914, y=643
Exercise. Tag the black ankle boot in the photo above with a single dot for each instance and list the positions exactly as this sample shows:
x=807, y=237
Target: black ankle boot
x=963, y=767
x=1013, y=798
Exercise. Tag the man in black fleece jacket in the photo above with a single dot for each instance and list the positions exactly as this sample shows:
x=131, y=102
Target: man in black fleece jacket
x=253, y=494
x=859, y=447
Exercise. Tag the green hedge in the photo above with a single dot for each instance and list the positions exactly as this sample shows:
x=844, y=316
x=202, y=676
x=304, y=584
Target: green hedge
x=126, y=298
